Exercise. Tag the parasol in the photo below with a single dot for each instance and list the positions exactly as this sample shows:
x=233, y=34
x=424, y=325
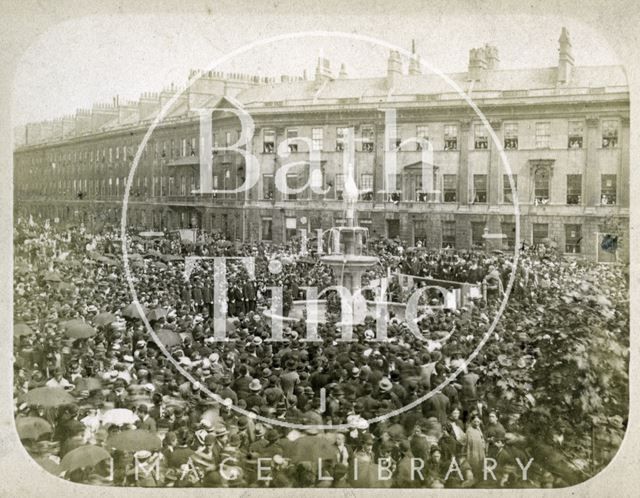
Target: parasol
x=131, y=311
x=156, y=314
x=134, y=257
x=78, y=329
x=32, y=427
x=119, y=416
x=168, y=337
x=104, y=318
x=160, y=265
x=48, y=397
x=134, y=440
x=171, y=257
x=88, y=384
x=83, y=456
x=154, y=253
x=21, y=329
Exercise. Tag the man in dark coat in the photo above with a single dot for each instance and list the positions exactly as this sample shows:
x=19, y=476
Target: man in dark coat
x=249, y=291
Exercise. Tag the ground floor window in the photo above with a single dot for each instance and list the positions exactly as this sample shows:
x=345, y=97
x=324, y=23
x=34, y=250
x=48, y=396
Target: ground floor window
x=266, y=230
x=573, y=238
x=540, y=232
x=477, y=231
x=448, y=233
x=291, y=226
x=509, y=229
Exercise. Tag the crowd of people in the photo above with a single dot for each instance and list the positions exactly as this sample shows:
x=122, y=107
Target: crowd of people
x=86, y=366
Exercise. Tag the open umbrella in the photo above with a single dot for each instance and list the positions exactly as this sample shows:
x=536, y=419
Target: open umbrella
x=168, y=337
x=78, y=329
x=48, y=397
x=134, y=440
x=88, y=384
x=104, y=318
x=21, y=329
x=134, y=257
x=156, y=314
x=32, y=427
x=119, y=416
x=83, y=456
x=154, y=253
x=131, y=311
x=52, y=276
x=160, y=265
x=136, y=263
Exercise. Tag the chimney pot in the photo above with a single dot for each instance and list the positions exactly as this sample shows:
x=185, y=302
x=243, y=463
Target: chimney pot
x=394, y=68
x=565, y=59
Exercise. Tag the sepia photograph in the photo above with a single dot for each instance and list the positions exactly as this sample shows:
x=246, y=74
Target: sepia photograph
x=377, y=250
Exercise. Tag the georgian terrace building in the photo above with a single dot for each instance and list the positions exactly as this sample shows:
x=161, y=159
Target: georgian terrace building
x=564, y=129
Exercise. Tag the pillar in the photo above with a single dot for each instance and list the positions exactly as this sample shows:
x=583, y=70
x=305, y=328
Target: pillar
x=463, y=165
x=592, y=170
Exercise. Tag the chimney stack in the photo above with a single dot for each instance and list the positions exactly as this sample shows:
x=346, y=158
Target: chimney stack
x=394, y=68
x=323, y=70
x=343, y=72
x=414, y=63
x=491, y=55
x=477, y=63
x=565, y=60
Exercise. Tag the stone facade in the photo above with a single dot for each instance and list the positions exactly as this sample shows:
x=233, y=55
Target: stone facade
x=563, y=131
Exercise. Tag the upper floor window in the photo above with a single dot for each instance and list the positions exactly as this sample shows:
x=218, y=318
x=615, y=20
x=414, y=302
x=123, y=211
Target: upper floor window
x=292, y=133
x=507, y=193
x=183, y=147
x=367, y=139
x=481, y=140
x=609, y=133
x=574, y=189
x=317, y=136
x=341, y=136
x=542, y=135
x=608, y=189
x=194, y=149
x=268, y=187
x=449, y=187
x=292, y=183
x=450, y=137
x=422, y=134
x=541, y=186
x=366, y=187
x=339, y=185
x=227, y=138
x=576, y=131
x=269, y=141
x=480, y=188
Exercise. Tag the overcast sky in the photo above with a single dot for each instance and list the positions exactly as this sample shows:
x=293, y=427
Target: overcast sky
x=95, y=58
